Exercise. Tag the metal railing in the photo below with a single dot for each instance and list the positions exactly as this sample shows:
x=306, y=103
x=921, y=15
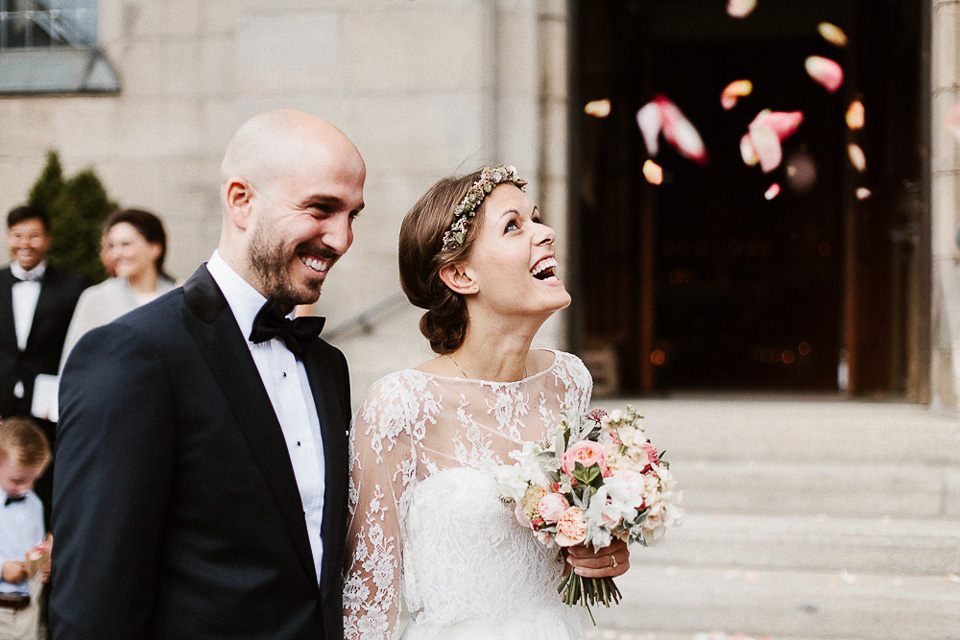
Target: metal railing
x=364, y=322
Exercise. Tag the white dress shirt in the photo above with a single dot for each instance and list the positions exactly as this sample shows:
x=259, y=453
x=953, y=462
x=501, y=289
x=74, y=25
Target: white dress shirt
x=286, y=382
x=21, y=527
x=26, y=292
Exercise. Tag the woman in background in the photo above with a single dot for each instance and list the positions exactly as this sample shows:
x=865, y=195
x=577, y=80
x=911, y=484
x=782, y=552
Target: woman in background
x=135, y=244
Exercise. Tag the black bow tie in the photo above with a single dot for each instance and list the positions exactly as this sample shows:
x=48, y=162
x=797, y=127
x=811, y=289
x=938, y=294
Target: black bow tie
x=297, y=334
x=11, y=499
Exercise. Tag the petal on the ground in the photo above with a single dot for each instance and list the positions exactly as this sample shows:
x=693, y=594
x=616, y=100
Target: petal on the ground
x=953, y=120
x=733, y=92
x=740, y=8
x=832, y=34
x=650, y=121
x=597, y=108
x=825, y=71
x=855, y=115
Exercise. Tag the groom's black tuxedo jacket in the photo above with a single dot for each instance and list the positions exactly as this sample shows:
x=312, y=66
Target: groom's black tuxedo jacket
x=59, y=292
x=176, y=510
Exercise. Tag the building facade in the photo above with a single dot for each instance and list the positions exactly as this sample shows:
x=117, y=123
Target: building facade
x=148, y=93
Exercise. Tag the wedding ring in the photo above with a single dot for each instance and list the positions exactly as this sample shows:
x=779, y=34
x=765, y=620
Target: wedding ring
x=613, y=561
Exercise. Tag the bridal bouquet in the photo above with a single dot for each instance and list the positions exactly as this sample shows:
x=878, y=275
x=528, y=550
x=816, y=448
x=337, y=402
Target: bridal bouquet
x=596, y=477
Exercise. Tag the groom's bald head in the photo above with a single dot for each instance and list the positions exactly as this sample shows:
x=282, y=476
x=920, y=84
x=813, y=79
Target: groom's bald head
x=291, y=184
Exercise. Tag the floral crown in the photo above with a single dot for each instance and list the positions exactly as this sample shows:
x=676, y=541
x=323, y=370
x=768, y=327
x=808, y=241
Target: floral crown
x=489, y=178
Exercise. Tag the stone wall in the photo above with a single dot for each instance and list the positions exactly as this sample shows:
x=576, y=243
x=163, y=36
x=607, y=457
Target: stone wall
x=424, y=88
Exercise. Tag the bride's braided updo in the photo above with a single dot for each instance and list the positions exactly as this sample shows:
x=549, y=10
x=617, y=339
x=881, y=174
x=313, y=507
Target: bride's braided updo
x=422, y=257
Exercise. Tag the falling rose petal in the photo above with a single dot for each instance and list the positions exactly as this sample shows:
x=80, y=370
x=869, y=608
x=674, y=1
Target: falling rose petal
x=650, y=121
x=733, y=92
x=679, y=132
x=825, y=71
x=784, y=123
x=855, y=115
x=772, y=192
x=857, y=157
x=747, y=151
x=740, y=8
x=597, y=108
x=863, y=193
x=652, y=172
x=767, y=145
x=953, y=120
x=832, y=34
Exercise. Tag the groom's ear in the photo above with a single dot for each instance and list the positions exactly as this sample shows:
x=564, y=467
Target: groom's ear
x=238, y=196
x=457, y=278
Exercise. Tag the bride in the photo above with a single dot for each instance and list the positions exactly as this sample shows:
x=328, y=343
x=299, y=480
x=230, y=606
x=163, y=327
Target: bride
x=427, y=526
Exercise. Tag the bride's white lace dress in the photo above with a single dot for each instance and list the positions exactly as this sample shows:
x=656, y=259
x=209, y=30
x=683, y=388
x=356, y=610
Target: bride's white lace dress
x=427, y=523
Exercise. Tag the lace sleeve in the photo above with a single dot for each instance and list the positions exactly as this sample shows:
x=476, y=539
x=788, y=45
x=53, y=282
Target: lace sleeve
x=382, y=468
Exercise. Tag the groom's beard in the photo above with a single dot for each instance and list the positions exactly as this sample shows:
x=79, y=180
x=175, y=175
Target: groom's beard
x=273, y=265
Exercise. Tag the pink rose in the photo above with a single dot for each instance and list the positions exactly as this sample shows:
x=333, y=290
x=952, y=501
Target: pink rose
x=571, y=528
x=586, y=453
x=552, y=506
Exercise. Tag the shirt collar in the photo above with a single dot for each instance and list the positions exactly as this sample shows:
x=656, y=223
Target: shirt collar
x=245, y=301
x=34, y=274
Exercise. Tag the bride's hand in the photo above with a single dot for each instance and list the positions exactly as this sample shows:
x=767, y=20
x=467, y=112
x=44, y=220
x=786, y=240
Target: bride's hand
x=609, y=562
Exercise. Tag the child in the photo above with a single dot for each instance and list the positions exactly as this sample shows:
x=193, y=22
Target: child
x=24, y=454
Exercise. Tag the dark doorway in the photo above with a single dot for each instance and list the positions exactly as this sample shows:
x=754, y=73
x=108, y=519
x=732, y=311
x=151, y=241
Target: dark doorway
x=702, y=282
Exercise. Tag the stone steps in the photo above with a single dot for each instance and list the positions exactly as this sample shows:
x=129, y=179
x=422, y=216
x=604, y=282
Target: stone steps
x=829, y=544
x=781, y=488
x=689, y=600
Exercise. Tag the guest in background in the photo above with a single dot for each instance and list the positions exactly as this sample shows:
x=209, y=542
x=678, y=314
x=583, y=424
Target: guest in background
x=135, y=244
x=24, y=454
x=37, y=301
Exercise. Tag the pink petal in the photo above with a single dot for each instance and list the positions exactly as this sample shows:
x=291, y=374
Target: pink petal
x=650, y=121
x=597, y=108
x=733, y=91
x=825, y=71
x=857, y=157
x=680, y=133
x=784, y=123
x=766, y=142
x=652, y=172
x=747, y=151
x=953, y=120
x=832, y=34
x=772, y=192
x=740, y=8
x=863, y=193
x=855, y=115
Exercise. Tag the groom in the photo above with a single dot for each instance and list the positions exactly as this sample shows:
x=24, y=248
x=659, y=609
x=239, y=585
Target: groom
x=201, y=483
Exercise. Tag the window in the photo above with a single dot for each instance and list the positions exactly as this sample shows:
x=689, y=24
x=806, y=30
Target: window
x=50, y=46
x=47, y=23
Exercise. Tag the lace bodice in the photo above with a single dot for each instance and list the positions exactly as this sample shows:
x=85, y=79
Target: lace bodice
x=426, y=519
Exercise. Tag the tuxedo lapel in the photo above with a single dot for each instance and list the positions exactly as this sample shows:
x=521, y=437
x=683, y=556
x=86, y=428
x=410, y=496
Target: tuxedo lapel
x=325, y=386
x=8, y=332
x=225, y=349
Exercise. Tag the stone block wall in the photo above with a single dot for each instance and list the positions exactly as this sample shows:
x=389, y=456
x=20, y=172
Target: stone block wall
x=423, y=87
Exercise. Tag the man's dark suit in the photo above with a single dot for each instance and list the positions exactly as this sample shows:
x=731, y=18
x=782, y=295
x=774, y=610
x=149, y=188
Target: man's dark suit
x=176, y=509
x=59, y=292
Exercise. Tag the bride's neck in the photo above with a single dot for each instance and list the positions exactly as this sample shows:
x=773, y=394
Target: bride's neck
x=493, y=355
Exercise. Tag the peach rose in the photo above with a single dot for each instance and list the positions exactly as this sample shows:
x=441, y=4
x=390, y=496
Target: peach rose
x=586, y=453
x=552, y=506
x=571, y=528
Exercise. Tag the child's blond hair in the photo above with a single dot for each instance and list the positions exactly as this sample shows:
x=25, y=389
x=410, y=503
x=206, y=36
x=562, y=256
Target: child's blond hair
x=22, y=440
